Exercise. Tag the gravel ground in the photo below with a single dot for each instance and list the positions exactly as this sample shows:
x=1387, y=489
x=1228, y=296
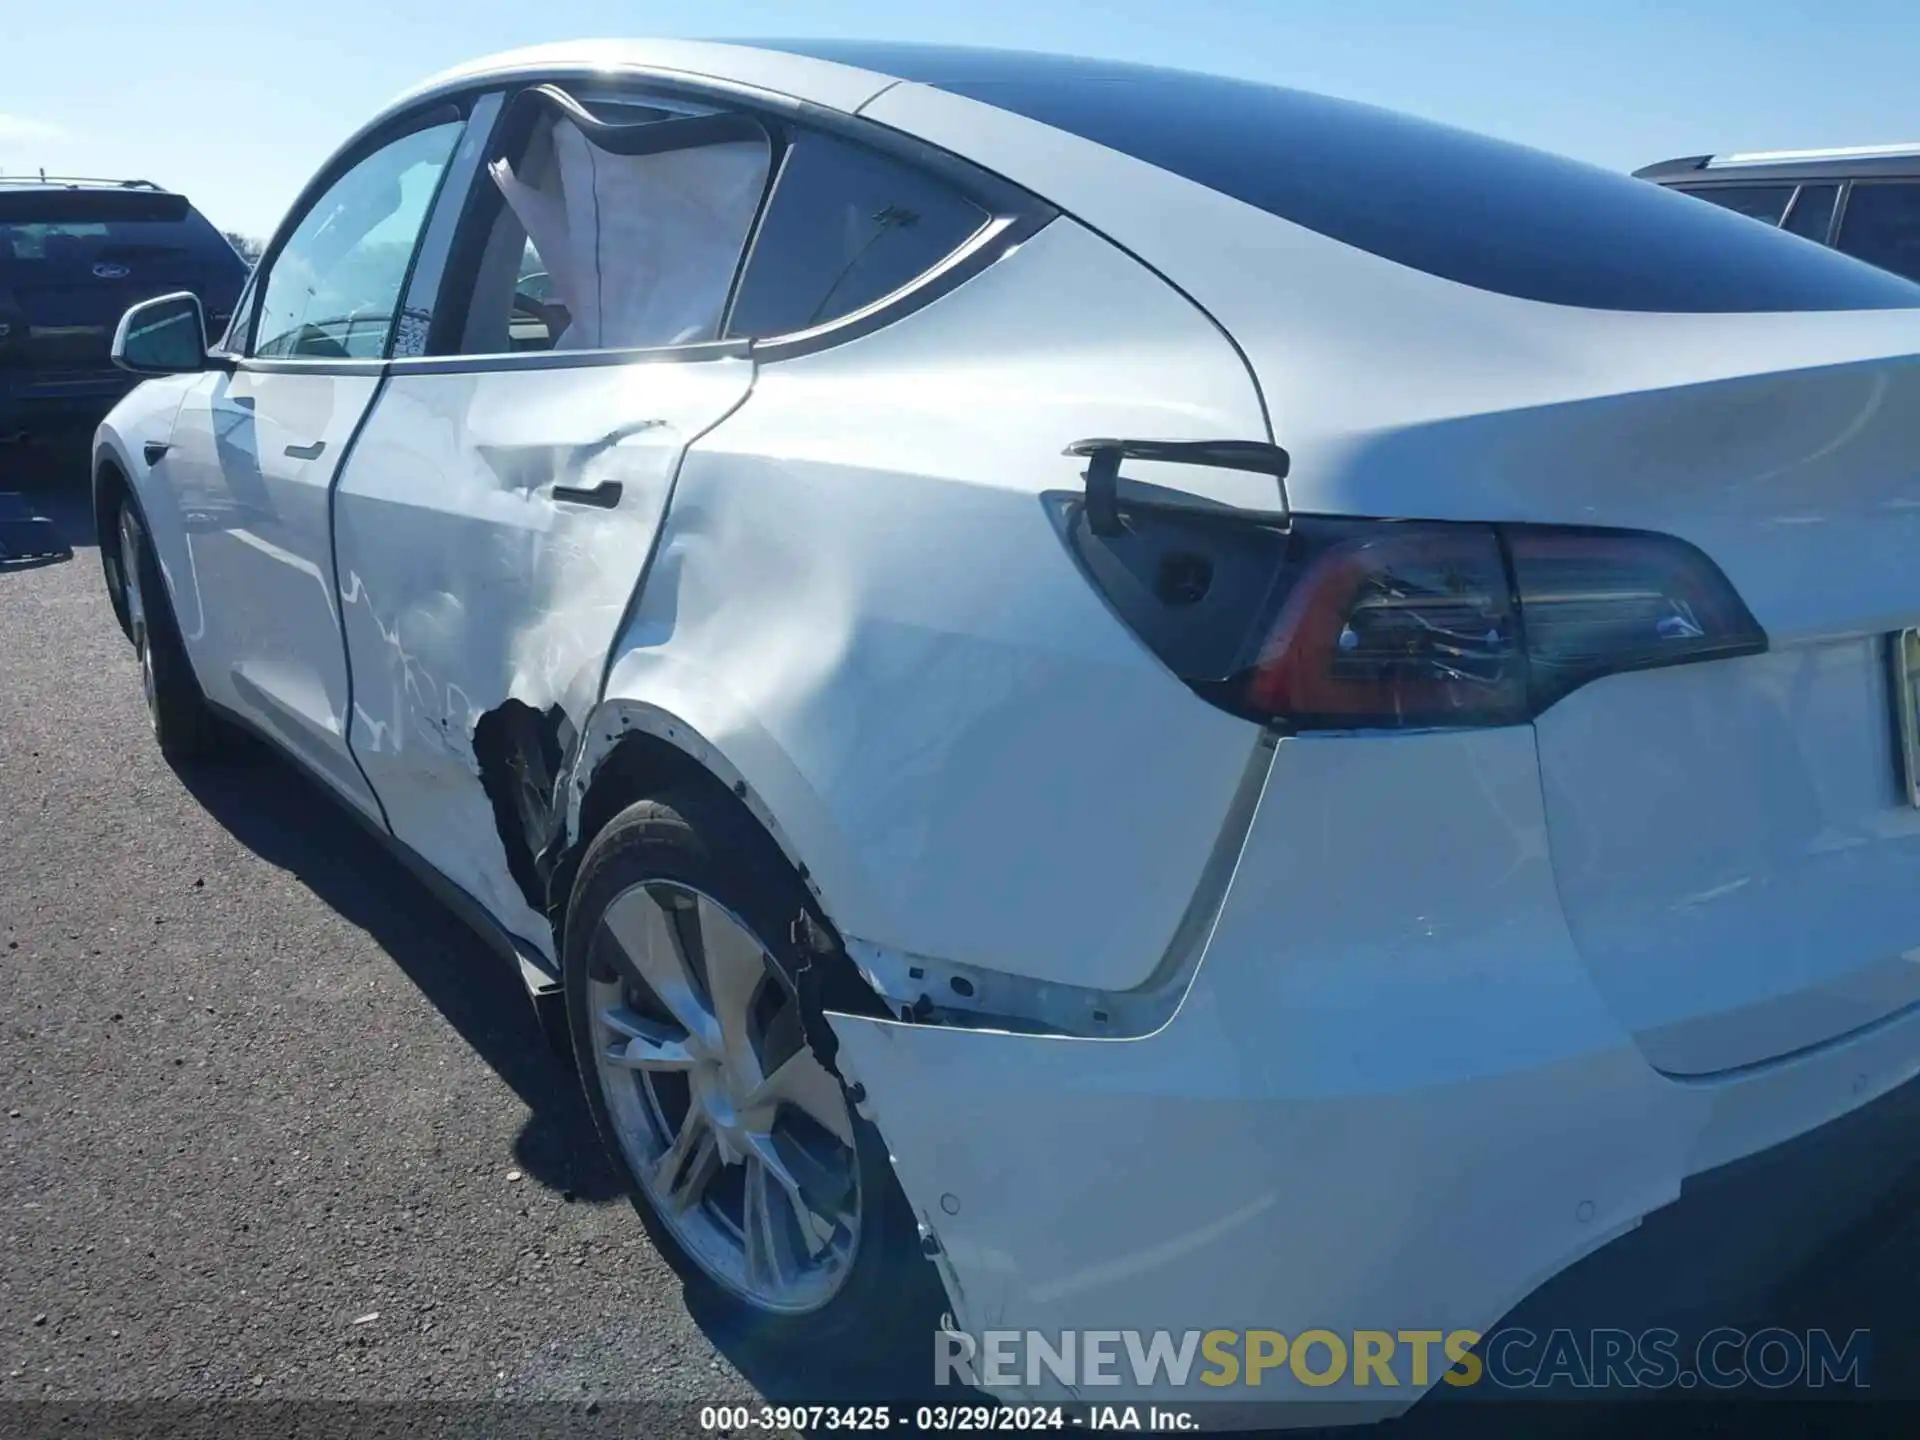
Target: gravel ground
x=272, y=1122
x=278, y=1128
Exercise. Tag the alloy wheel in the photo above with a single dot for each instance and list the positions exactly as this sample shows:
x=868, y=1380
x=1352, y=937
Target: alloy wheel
x=741, y=1138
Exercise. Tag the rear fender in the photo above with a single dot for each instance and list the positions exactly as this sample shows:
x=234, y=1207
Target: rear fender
x=918, y=988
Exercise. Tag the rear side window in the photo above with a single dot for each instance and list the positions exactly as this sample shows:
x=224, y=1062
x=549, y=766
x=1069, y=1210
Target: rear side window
x=1881, y=225
x=1471, y=209
x=845, y=227
x=1812, y=212
x=619, y=229
x=1757, y=202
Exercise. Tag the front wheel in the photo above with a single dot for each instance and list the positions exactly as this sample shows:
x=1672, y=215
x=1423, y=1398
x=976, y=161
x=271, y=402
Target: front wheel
x=182, y=723
x=754, y=1176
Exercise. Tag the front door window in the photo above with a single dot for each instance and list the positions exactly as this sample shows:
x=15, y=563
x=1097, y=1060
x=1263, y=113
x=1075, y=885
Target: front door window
x=334, y=287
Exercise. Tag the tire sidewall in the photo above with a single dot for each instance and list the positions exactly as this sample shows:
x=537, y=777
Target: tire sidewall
x=179, y=715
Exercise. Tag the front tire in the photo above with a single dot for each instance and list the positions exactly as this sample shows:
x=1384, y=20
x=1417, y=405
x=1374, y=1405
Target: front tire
x=755, y=1178
x=182, y=723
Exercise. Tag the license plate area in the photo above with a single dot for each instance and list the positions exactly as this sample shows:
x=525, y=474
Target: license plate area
x=1904, y=652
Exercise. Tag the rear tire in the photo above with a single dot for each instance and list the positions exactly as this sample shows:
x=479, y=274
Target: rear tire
x=864, y=1301
x=183, y=724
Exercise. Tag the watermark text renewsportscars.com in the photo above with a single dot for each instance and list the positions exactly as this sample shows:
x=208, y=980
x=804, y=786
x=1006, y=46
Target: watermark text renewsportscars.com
x=1508, y=1359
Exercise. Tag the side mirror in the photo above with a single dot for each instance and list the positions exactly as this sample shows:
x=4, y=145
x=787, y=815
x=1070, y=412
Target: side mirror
x=163, y=336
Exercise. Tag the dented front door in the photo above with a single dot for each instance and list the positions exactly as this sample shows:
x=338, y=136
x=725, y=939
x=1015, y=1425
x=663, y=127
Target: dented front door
x=491, y=528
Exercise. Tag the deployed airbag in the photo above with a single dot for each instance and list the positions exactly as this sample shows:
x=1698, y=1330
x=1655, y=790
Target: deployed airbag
x=642, y=246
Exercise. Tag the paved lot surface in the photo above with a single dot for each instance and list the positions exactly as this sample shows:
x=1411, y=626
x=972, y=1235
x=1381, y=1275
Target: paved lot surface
x=274, y=1125
x=256, y=1086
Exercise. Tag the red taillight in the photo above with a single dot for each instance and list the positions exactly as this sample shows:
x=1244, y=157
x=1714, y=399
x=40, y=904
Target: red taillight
x=1401, y=626
x=1322, y=623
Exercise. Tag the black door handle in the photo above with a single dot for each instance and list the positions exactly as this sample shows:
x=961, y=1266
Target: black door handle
x=605, y=495
x=306, y=452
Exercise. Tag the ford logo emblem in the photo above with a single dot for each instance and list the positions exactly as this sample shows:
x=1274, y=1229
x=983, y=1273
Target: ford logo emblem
x=106, y=270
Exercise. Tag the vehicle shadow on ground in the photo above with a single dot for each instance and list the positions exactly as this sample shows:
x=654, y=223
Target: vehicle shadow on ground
x=251, y=792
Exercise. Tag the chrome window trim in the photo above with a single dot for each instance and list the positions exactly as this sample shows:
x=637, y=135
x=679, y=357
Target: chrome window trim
x=568, y=359
x=998, y=238
x=320, y=365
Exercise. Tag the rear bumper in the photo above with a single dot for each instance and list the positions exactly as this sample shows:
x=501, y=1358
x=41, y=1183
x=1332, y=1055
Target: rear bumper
x=44, y=403
x=1752, y=1243
x=1392, y=1100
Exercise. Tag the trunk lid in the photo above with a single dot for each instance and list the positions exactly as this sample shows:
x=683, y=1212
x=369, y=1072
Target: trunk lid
x=1736, y=853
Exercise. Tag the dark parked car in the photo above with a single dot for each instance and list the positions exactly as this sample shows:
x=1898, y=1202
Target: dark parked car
x=74, y=255
x=1864, y=200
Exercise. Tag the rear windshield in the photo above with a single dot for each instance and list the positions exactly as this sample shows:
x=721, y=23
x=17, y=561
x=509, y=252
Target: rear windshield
x=77, y=231
x=1486, y=213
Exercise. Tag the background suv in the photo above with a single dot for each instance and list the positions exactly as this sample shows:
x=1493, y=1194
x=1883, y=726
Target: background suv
x=1864, y=200
x=74, y=254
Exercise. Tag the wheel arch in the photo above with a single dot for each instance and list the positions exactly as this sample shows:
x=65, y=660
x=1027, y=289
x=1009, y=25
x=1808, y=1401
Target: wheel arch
x=631, y=750
x=638, y=765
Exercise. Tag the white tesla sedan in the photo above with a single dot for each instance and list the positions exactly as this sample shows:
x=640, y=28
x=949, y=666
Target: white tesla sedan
x=1174, y=705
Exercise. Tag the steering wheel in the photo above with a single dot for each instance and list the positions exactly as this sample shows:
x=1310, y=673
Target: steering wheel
x=550, y=313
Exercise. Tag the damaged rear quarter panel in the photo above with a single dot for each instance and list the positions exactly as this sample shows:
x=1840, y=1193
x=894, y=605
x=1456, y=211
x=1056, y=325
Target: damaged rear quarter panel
x=862, y=604
x=479, y=609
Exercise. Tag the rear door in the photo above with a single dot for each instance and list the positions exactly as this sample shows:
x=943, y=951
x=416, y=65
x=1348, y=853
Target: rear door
x=256, y=449
x=503, y=499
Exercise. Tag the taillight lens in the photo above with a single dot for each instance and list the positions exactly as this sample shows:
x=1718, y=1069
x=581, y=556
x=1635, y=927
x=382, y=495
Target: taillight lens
x=1597, y=602
x=1394, y=626
x=1326, y=623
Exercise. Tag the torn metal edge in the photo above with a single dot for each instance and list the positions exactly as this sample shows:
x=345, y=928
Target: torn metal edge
x=927, y=990
x=919, y=989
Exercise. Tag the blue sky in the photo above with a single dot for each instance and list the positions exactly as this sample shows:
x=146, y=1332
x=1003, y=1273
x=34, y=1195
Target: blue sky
x=237, y=103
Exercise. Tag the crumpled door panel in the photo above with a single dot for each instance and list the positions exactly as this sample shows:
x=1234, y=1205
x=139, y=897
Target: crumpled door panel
x=479, y=606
